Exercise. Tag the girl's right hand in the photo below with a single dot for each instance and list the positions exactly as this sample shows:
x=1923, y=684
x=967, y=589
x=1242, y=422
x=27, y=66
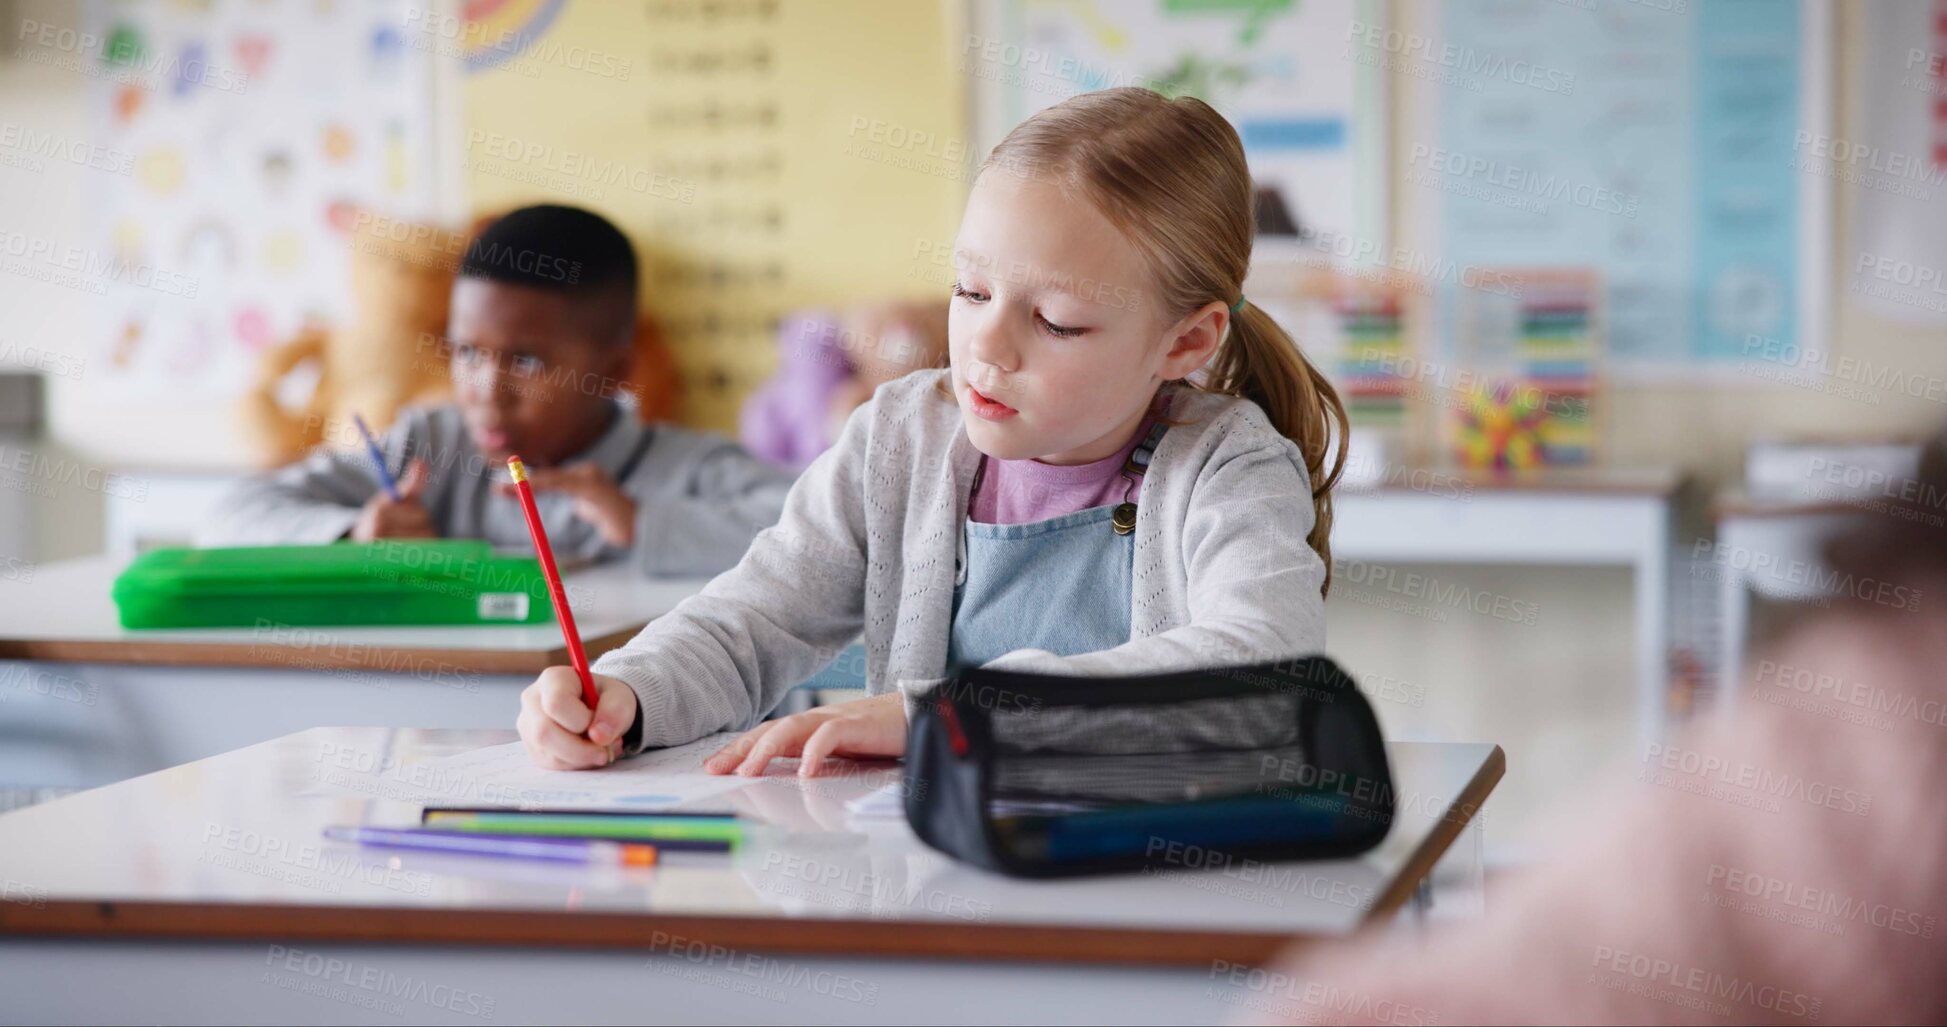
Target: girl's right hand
x=562, y=733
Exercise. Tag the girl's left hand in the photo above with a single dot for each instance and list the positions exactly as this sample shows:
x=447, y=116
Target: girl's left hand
x=872, y=728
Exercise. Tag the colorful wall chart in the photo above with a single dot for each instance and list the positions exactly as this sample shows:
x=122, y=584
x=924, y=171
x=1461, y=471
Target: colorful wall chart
x=1373, y=351
x=1658, y=147
x=256, y=133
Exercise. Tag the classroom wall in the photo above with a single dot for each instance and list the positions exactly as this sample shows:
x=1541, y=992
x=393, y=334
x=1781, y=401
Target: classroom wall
x=1558, y=696
x=43, y=99
x=1703, y=427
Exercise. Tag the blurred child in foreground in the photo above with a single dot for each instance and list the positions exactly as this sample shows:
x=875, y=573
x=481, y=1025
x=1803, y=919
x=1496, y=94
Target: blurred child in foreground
x=1785, y=862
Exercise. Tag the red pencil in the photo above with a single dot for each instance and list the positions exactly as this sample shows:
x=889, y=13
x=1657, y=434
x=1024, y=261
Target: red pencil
x=562, y=614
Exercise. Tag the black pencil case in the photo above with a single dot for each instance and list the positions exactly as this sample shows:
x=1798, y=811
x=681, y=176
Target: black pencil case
x=1038, y=775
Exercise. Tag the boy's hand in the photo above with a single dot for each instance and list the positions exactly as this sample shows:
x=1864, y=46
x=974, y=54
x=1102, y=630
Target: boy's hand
x=406, y=517
x=872, y=728
x=598, y=500
x=555, y=724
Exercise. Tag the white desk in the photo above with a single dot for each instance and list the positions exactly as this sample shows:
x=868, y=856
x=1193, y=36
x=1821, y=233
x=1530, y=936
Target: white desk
x=1773, y=548
x=84, y=701
x=1560, y=517
x=185, y=894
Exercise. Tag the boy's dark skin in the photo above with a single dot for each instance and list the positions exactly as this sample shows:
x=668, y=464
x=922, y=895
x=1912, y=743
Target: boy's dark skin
x=523, y=361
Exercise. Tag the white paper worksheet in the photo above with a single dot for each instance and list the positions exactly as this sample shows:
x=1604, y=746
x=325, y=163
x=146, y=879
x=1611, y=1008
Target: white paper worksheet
x=504, y=775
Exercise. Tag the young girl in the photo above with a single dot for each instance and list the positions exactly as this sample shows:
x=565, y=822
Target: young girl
x=1064, y=498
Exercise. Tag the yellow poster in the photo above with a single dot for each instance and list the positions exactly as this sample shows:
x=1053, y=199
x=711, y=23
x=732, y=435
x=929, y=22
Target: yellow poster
x=764, y=155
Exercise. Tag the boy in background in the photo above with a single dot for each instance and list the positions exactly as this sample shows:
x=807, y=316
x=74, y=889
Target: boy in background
x=543, y=316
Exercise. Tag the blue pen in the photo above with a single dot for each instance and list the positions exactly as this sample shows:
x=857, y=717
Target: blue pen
x=378, y=458
x=554, y=850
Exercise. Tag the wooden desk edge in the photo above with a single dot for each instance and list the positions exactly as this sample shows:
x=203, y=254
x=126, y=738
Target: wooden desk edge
x=383, y=925
x=1435, y=844
x=1147, y=946
x=349, y=655
x=1726, y=508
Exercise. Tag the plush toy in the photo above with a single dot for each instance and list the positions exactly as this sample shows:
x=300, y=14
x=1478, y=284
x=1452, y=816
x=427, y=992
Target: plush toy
x=828, y=364
x=783, y=421
x=388, y=356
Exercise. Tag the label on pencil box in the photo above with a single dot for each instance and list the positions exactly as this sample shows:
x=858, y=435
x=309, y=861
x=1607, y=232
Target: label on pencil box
x=503, y=606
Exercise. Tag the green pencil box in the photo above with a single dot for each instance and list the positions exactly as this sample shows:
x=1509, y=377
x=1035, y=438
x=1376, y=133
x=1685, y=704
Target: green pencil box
x=435, y=581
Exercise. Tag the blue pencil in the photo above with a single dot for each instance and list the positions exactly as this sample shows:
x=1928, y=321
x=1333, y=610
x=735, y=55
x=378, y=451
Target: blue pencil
x=378, y=458
x=555, y=850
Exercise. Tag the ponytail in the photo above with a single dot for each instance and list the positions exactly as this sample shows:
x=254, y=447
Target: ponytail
x=1261, y=363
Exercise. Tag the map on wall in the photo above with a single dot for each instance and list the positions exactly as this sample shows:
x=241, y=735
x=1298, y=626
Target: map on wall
x=1312, y=121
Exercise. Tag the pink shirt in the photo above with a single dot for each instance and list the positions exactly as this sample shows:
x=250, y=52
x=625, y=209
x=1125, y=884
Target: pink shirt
x=1025, y=491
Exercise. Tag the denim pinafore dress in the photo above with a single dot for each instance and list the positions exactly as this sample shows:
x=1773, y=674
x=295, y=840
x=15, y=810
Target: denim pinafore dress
x=1061, y=585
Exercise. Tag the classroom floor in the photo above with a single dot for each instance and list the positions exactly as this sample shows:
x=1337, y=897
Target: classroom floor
x=1558, y=696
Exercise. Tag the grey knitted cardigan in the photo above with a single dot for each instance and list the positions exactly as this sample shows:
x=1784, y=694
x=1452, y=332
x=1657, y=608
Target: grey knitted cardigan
x=870, y=541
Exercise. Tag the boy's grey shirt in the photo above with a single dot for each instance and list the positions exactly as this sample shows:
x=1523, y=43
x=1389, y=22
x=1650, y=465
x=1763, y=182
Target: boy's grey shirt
x=871, y=538
x=700, y=498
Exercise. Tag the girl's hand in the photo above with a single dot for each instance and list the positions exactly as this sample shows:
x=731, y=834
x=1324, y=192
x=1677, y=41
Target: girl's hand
x=598, y=499
x=872, y=728
x=562, y=733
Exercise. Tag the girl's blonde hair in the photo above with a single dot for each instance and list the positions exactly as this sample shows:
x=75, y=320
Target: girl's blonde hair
x=1170, y=173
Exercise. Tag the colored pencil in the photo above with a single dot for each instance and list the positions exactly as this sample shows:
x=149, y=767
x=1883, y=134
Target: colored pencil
x=428, y=813
x=471, y=843
x=378, y=458
x=666, y=832
x=562, y=614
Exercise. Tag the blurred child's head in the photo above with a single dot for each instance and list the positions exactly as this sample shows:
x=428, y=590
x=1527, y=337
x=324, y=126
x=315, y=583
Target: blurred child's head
x=1104, y=245
x=542, y=325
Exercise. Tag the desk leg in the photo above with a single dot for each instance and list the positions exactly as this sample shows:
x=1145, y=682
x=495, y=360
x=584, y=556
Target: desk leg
x=1460, y=878
x=1457, y=887
x=1733, y=624
x=1653, y=625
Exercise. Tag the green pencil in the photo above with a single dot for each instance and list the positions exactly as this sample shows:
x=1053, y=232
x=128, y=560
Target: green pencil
x=715, y=831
